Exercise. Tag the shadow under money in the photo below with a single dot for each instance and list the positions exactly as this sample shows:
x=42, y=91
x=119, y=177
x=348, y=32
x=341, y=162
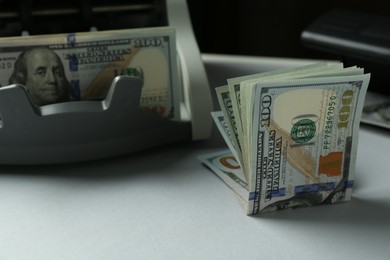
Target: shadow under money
x=372, y=213
x=143, y=164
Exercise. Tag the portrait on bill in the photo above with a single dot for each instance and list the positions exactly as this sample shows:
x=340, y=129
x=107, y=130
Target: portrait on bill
x=41, y=71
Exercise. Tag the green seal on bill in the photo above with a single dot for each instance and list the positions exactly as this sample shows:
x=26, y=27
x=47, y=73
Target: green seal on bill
x=303, y=130
x=134, y=72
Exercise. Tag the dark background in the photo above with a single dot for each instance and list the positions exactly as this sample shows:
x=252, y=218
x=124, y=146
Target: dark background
x=265, y=27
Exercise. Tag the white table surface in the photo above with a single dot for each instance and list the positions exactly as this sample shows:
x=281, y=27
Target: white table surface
x=164, y=204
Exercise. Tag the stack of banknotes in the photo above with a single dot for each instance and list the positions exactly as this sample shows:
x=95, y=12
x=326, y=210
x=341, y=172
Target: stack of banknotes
x=292, y=136
x=81, y=66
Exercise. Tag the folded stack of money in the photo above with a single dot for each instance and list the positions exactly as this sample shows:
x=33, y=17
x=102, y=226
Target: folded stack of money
x=81, y=66
x=292, y=136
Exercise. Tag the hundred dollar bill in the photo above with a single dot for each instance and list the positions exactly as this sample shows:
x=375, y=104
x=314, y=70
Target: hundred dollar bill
x=305, y=135
x=308, y=71
x=226, y=167
x=221, y=123
x=81, y=66
x=234, y=87
x=225, y=102
x=311, y=70
x=299, y=134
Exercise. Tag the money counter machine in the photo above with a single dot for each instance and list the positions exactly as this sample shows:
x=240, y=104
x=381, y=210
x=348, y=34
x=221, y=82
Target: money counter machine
x=358, y=38
x=88, y=130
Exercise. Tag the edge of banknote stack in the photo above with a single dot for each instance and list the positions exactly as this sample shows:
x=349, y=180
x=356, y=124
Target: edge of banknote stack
x=292, y=136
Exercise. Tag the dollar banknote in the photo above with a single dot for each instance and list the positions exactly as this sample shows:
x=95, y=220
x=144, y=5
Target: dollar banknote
x=225, y=101
x=229, y=97
x=225, y=165
x=224, y=129
x=234, y=87
x=299, y=135
x=82, y=66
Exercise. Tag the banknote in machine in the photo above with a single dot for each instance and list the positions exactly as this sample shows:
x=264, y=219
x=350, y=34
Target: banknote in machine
x=91, y=60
